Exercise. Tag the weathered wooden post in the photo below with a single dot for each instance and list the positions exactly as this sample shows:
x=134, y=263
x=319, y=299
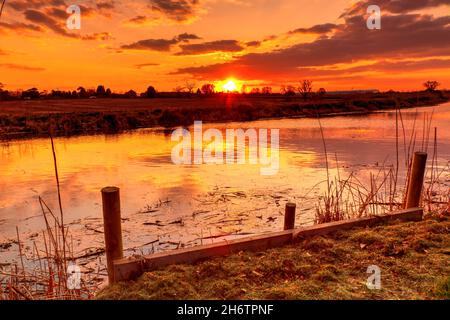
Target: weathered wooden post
x=416, y=179
x=289, y=216
x=112, y=223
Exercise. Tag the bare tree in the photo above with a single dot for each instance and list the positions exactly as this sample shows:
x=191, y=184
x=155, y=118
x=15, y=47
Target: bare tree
x=431, y=85
x=288, y=90
x=179, y=89
x=305, y=88
x=190, y=86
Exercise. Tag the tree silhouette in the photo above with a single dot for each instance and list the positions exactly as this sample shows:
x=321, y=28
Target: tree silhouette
x=100, y=91
x=32, y=93
x=179, y=89
x=208, y=89
x=82, y=93
x=431, y=85
x=321, y=92
x=288, y=90
x=131, y=94
x=266, y=90
x=151, y=92
x=190, y=86
x=305, y=88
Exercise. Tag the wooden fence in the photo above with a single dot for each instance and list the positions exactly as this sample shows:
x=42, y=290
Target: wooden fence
x=122, y=269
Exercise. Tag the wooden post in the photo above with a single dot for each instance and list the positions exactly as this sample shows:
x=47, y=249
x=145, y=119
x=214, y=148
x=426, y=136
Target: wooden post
x=112, y=223
x=416, y=179
x=289, y=216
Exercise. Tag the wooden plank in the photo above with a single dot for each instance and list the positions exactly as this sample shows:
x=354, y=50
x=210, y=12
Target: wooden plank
x=414, y=214
x=126, y=269
x=131, y=268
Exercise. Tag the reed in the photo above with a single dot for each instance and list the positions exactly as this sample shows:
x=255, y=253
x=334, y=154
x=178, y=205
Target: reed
x=349, y=197
x=44, y=274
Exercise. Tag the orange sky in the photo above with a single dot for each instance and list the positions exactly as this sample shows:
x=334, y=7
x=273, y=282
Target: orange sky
x=132, y=44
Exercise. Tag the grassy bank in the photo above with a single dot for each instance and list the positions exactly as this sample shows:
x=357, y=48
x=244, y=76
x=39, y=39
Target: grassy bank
x=413, y=257
x=29, y=118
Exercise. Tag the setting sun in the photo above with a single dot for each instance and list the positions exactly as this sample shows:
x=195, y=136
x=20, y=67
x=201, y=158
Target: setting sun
x=230, y=86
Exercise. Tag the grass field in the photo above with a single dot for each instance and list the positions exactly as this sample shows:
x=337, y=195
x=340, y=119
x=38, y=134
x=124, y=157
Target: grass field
x=25, y=118
x=413, y=257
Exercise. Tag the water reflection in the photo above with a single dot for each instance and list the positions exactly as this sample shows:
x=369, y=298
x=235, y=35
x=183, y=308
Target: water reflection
x=140, y=164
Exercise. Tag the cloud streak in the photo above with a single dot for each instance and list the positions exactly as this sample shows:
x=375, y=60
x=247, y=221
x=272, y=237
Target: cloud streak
x=177, y=10
x=211, y=47
x=402, y=36
x=162, y=45
x=20, y=67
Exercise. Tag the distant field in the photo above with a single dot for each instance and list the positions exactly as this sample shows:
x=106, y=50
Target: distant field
x=24, y=118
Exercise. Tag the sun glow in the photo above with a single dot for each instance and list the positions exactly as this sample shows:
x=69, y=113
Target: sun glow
x=229, y=86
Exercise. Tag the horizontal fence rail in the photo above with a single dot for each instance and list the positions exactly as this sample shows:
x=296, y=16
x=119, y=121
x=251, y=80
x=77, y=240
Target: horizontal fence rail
x=131, y=268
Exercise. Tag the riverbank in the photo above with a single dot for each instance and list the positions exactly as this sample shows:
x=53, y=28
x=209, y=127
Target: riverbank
x=413, y=258
x=34, y=118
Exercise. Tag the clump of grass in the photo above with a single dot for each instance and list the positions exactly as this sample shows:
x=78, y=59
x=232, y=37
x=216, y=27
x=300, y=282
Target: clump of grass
x=442, y=289
x=367, y=237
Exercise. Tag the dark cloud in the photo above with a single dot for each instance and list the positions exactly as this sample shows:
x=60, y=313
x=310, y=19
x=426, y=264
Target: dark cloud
x=19, y=26
x=381, y=66
x=163, y=45
x=393, y=6
x=401, y=36
x=152, y=44
x=87, y=11
x=106, y=5
x=58, y=26
x=57, y=12
x=210, y=47
x=20, y=67
x=144, y=65
x=186, y=37
x=98, y=36
x=317, y=29
x=23, y=5
x=253, y=44
x=138, y=20
x=40, y=18
x=178, y=10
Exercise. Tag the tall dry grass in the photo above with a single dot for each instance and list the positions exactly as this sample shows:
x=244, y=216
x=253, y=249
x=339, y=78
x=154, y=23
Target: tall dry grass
x=350, y=197
x=45, y=275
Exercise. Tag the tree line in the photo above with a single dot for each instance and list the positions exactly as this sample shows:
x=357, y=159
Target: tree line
x=305, y=90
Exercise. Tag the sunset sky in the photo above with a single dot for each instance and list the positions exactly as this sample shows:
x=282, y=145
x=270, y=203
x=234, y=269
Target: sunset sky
x=165, y=43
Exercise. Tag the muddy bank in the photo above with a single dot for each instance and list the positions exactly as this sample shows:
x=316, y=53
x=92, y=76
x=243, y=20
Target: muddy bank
x=24, y=119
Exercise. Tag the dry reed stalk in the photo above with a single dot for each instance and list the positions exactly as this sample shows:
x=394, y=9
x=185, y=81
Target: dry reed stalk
x=382, y=192
x=1, y=9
